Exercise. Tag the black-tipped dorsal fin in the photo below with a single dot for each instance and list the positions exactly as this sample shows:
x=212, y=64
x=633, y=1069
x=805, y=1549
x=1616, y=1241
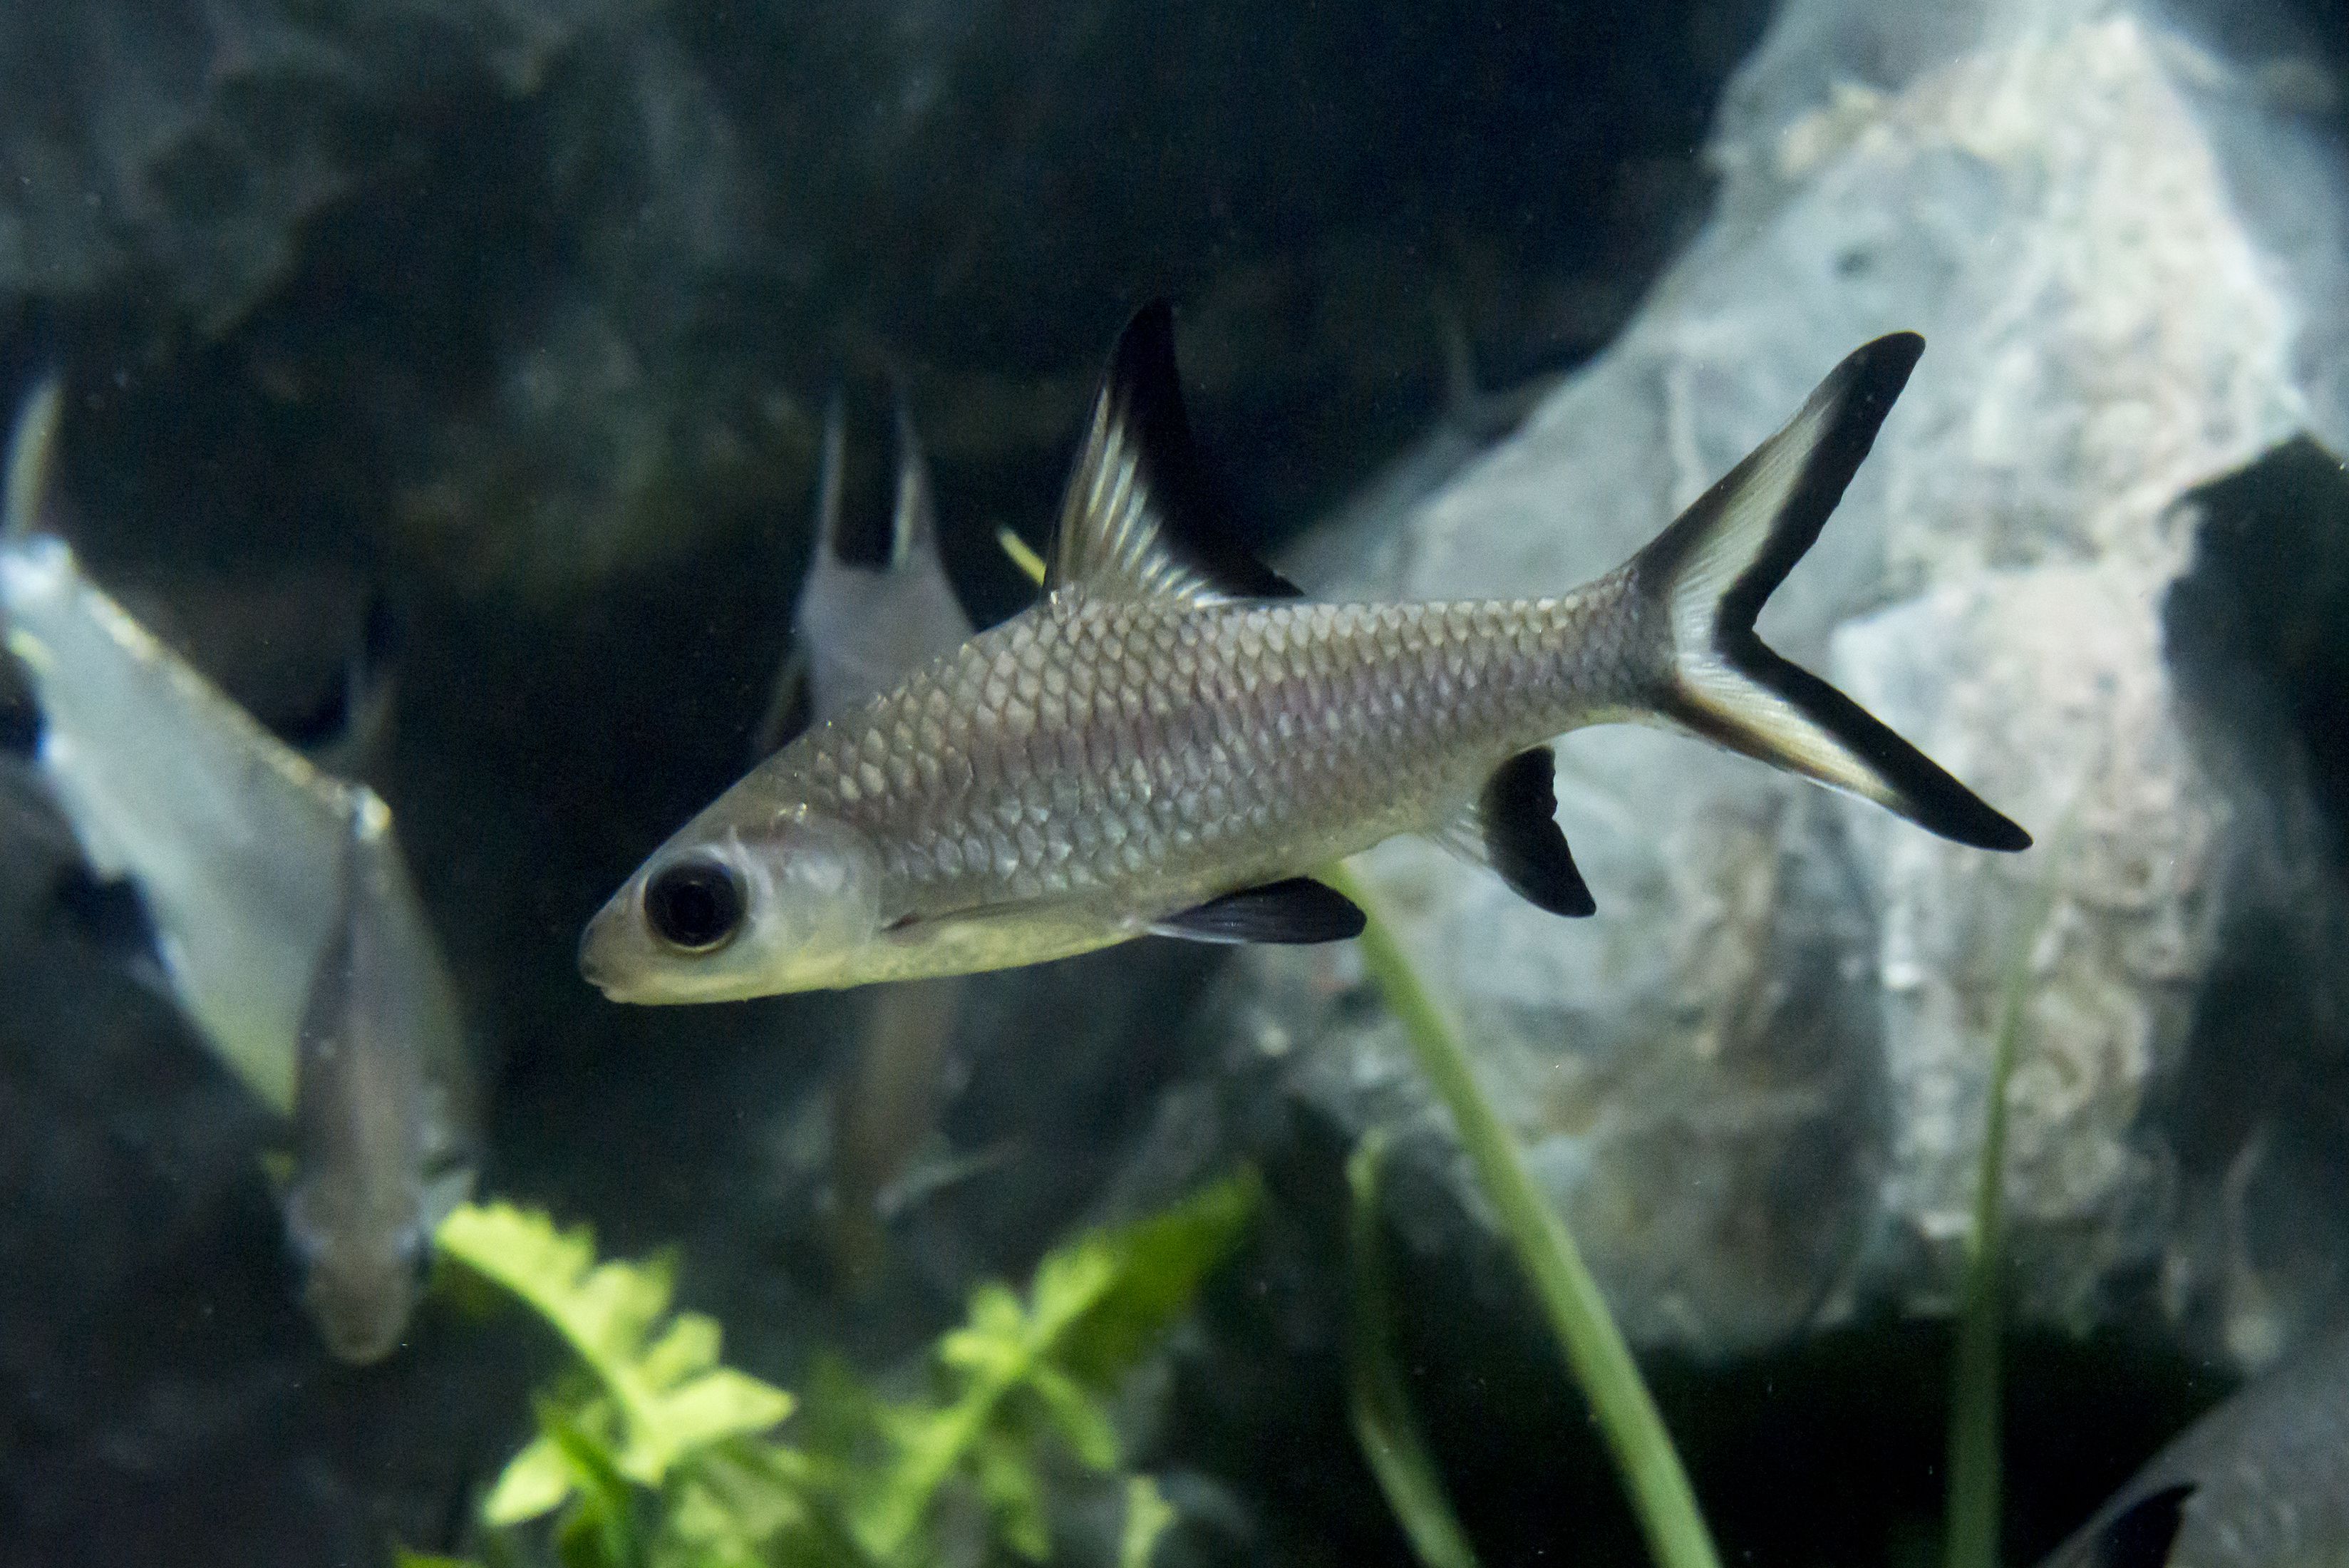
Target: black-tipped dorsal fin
x=1298, y=910
x=1513, y=828
x=1137, y=521
x=2142, y=1534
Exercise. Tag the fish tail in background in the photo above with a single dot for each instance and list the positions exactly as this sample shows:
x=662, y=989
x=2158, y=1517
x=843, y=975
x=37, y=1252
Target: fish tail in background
x=2143, y=1534
x=1703, y=581
x=32, y=456
x=884, y=1107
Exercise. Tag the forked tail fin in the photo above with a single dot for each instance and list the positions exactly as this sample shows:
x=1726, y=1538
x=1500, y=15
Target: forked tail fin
x=1706, y=576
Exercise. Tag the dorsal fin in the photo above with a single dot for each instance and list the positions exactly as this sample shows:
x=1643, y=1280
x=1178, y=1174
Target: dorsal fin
x=32, y=455
x=1138, y=521
x=914, y=521
x=830, y=454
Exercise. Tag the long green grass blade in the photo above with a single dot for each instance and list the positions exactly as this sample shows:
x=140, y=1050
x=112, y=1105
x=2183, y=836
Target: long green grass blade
x=1601, y=1362
x=1977, y=1392
x=1626, y=1416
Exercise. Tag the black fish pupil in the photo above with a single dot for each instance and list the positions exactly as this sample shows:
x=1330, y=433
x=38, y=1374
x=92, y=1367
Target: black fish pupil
x=695, y=906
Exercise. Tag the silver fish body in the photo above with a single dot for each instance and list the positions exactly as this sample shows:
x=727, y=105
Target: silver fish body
x=1066, y=777
x=383, y=1109
x=285, y=925
x=859, y=630
x=1172, y=741
x=230, y=835
x=2261, y=1481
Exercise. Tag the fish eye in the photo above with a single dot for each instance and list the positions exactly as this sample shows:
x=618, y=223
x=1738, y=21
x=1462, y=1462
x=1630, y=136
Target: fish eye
x=695, y=906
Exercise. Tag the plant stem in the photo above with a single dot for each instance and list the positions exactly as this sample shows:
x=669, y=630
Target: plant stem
x=1976, y=1398
x=1626, y=1416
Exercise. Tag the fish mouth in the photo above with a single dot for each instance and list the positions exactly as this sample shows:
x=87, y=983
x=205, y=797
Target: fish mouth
x=606, y=955
x=595, y=965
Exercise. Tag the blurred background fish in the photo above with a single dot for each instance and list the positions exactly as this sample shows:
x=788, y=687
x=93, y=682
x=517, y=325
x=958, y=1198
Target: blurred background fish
x=2261, y=1481
x=383, y=1111
x=284, y=924
x=860, y=628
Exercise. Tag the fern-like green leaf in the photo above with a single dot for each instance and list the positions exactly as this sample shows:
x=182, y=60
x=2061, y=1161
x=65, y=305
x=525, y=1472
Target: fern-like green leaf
x=1148, y=1515
x=1095, y=1307
x=1155, y=1269
x=662, y=1394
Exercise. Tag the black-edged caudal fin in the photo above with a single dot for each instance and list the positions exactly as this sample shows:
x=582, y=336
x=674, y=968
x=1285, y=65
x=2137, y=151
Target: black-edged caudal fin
x=1707, y=576
x=2141, y=1536
x=1140, y=519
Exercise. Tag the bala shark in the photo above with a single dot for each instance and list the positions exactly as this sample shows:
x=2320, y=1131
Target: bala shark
x=1172, y=739
x=860, y=630
x=286, y=928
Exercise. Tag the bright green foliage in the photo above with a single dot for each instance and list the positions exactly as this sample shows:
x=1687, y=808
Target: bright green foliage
x=1147, y=1516
x=1017, y=1371
x=659, y=1392
x=658, y=1456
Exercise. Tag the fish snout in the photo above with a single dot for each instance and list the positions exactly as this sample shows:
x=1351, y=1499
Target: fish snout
x=600, y=947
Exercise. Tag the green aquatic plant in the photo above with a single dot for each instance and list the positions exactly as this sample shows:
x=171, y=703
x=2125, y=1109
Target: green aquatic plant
x=1018, y=1370
x=1569, y=1298
x=655, y=1392
x=1377, y=1399
x=1977, y=1394
x=651, y=1453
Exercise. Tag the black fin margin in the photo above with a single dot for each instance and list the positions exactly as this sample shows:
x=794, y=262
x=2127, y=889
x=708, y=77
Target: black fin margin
x=2142, y=1535
x=1519, y=812
x=1932, y=797
x=1140, y=397
x=1710, y=693
x=1862, y=390
x=1296, y=910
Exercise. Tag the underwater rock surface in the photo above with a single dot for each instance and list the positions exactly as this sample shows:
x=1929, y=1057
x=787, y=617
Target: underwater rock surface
x=1756, y=1082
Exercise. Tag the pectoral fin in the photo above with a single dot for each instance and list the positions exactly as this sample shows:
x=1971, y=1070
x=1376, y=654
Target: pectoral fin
x=1298, y=910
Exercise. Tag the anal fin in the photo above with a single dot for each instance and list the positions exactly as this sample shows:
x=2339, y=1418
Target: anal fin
x=1296, y=910
x=1513, y=828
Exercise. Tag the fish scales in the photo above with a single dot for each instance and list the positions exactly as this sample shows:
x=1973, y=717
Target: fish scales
x=1174, y=740
x=1160, y=749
